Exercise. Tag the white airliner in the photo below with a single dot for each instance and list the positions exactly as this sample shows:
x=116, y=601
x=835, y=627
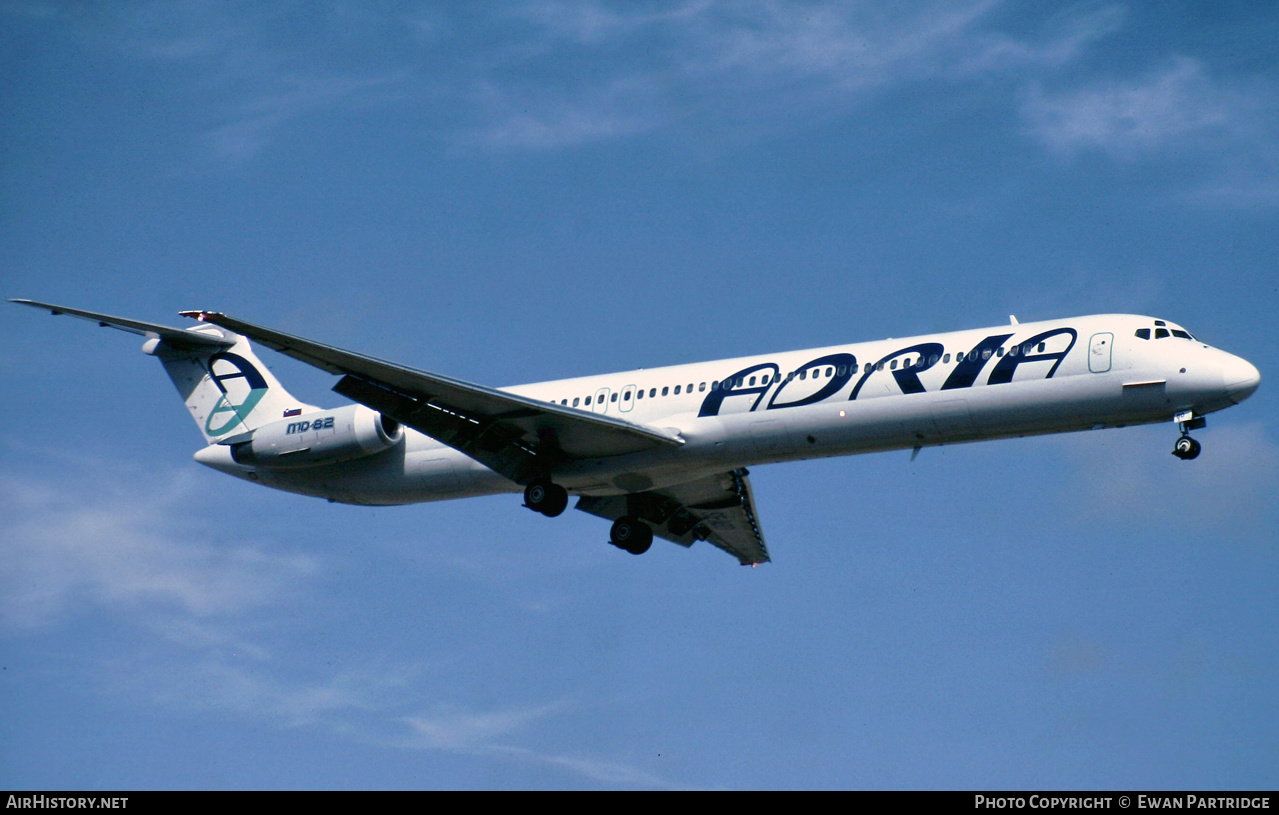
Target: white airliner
x=663, y=451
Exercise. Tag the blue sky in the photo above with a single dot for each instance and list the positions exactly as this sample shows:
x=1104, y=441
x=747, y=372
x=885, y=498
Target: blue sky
x=526, y=191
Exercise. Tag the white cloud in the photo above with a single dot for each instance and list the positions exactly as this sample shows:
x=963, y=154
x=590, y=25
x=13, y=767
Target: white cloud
x=465, y=731
x=538, y=120
x=142, y=554
x=1135, y=116
x=129, y=546
x=1222, y=133
x=257, y=121
x=738, y=63
x=486, y=733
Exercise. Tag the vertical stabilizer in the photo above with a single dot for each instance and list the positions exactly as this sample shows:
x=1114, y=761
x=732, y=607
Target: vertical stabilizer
x=228, y=390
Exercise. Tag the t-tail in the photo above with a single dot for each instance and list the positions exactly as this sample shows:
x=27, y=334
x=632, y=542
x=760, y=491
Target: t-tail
x=228, y=391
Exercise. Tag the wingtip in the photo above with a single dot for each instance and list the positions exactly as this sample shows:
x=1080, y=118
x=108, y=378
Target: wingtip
x=52, y=309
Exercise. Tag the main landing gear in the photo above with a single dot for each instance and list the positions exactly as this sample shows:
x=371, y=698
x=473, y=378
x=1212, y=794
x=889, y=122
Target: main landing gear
x=546, y=497
x=631, y=534
x=1187, y=448
x=628, y=533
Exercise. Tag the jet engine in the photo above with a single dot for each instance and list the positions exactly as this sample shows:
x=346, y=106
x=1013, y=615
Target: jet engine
x=327, y=437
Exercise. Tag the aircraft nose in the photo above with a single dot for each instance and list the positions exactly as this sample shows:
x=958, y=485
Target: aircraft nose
x=1240, y=377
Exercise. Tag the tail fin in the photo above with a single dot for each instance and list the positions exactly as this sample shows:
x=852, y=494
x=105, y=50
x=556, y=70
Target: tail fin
x=226, y=388
x=228, y=391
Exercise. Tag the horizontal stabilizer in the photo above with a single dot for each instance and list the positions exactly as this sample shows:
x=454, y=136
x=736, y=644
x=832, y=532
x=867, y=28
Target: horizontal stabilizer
x=178, y=337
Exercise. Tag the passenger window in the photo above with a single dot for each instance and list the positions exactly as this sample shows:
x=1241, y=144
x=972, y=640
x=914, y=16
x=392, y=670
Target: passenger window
x=999, y=352
x=1160, y=333
x=842, y=368
x=689, y=389
x=945, y=358
x=588, y=400
x=752, y=382
x=639, y=394
x=985, y=354
x=666, y=390
x=1041, y=347
x=576, y=401
x=626, y=396
x=1143, y=333
x=892, y=366
x=613, y=398
x=652, y=392
x=677, y=390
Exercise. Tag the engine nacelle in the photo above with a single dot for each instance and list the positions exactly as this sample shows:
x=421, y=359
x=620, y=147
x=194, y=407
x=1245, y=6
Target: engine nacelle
x=328, y=437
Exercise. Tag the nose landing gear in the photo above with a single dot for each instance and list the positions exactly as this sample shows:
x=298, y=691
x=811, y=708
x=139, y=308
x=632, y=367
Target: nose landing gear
x=1187, y=448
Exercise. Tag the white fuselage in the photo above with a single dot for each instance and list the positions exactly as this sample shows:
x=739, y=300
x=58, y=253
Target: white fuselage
x=1012, y=380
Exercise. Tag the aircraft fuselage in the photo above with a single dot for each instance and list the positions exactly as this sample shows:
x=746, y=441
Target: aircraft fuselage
x=1006, y=381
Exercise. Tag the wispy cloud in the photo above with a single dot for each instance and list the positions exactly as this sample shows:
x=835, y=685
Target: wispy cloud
x=246, y=73
x=257, y=120
x=1130, y=117
x=466, y=731
x=552, y=74
x=207, y=615
x=529, y=120
x=738, y=63
x=125, y=549
x=490, y=733
x=1179, y=113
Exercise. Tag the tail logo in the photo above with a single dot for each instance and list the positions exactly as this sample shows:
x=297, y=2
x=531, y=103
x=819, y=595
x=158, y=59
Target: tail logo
x=242, y=386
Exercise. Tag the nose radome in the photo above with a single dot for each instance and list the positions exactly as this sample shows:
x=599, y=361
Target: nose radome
x=1240, y=377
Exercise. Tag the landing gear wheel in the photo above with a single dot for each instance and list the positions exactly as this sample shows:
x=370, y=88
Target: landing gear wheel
x=631, y=534
x=1186, y=448
x=546, y=497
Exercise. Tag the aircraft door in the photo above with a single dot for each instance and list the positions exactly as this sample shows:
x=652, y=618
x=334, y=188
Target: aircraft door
x=627, y=401
x=600, y=403
x=1099, y=348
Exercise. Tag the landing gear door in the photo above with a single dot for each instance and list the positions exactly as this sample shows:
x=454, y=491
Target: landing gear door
x=1099, y=349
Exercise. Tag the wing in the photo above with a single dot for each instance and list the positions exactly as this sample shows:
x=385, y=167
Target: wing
x=719, y=509
x=519, y=437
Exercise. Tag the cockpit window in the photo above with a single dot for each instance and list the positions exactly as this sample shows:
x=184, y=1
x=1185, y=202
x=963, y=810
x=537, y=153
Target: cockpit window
x=1162, y=332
